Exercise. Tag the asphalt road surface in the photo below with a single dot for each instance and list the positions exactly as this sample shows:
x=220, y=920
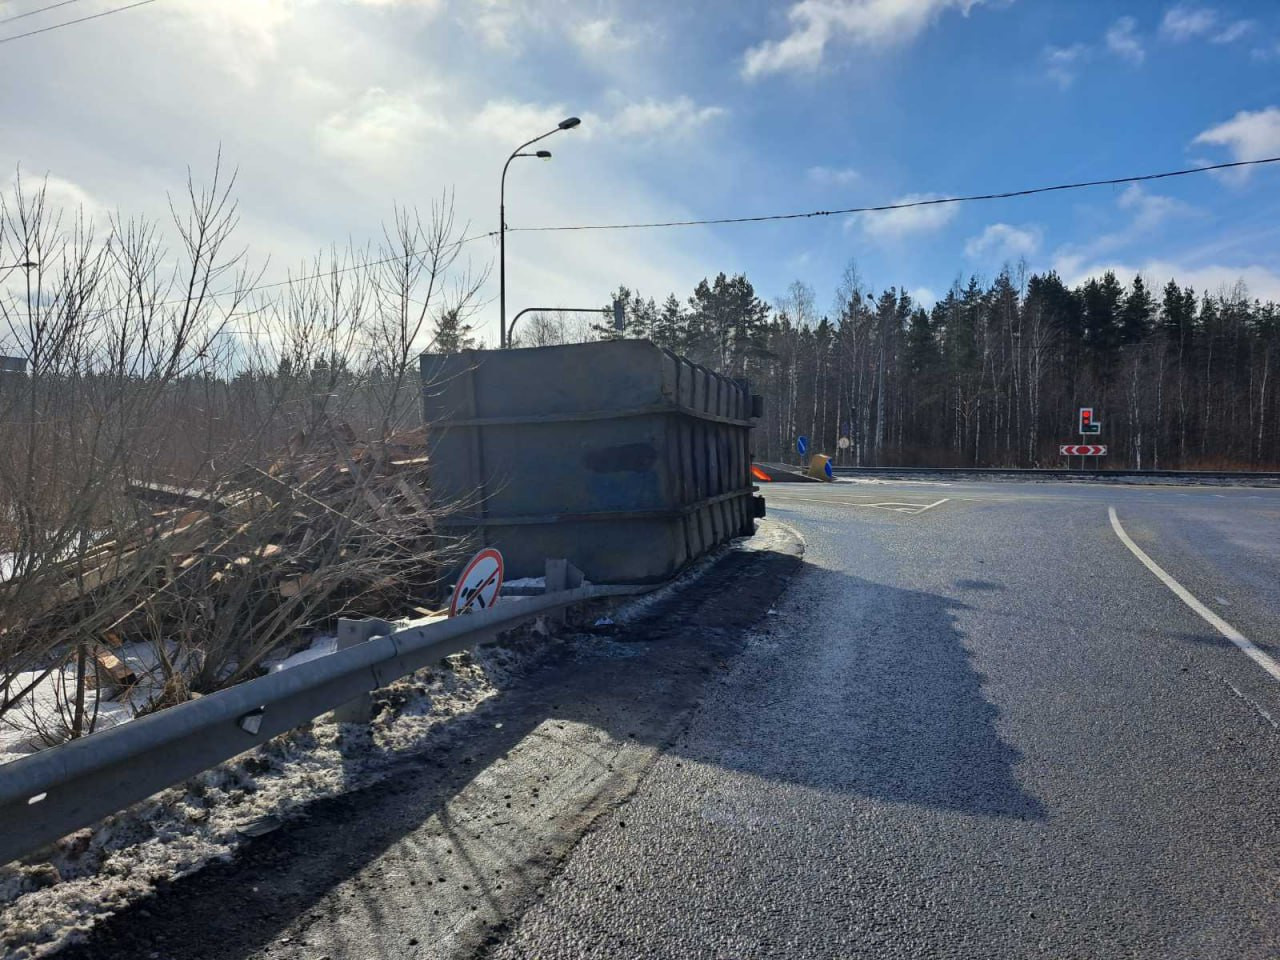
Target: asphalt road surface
x=975, y=724
x=978, y=726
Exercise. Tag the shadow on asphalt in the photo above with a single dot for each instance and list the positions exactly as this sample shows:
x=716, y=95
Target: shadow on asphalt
x=885, y=705
x=637, y=685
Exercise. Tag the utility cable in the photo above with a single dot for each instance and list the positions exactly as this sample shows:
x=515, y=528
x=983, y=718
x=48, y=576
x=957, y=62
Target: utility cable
x=68, y=23
x=934, y=201
x=32, y=13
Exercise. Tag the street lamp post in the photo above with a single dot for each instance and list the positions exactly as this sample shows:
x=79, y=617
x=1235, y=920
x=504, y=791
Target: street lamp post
x=567, y=124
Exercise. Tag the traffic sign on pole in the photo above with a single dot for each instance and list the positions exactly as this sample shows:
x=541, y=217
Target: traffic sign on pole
x=802, y=445
x=1083, y=450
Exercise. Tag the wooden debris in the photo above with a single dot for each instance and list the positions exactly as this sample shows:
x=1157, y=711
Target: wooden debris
x=120, y=672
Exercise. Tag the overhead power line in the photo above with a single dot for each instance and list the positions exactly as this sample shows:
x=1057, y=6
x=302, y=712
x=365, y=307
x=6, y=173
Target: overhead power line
x=907, y=205
x=32, y=13
x=1139, y=178
x=68, y=23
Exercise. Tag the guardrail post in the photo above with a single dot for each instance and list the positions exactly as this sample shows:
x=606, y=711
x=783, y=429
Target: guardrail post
x=350, y=633
x=561, y=575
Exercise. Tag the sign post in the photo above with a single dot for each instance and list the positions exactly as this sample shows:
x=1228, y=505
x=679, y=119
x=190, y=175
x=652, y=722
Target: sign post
x=1089, y=427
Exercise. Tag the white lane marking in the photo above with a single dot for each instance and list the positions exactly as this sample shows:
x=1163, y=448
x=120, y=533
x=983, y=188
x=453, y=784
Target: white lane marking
x=1250, y=701
x=1183, y=594
x=894, y=505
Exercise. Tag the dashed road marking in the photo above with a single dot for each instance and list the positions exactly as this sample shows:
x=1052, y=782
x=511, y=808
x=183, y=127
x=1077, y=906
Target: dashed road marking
x=893, y=505
x=1183, y=594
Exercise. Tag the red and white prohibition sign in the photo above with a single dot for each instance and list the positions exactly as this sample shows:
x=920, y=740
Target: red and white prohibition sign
x=479, y=584
x=1083, y=450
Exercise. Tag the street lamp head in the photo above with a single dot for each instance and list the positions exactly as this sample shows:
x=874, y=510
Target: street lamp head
x=569, y=123
x=543, y=154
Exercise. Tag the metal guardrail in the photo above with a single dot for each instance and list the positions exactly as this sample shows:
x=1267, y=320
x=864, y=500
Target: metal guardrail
x=1056, y=472
x=60, y=789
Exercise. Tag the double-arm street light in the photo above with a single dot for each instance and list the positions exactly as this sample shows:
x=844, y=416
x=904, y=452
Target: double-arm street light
x=567, y=124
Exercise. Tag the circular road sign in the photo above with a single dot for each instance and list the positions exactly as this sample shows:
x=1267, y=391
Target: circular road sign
x=843, y=443
x=479, y=584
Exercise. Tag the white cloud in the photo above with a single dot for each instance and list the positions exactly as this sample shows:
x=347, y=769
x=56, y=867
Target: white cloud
x=924, y=297
x=1146, y=214
x=61, y=195
x=602, y=37
x=893, y=225
x=380, y=128
x=1149, y=210
x=1001, y=242
x=1262, y=282
x=817, y=24
x=1249, y=135
x=1186, y=21
x=643, y=119
x=672, y=118
x=1062, y=63
x=500, y=118
x=1232, y=32
x=1122, y=40
x=833, y=176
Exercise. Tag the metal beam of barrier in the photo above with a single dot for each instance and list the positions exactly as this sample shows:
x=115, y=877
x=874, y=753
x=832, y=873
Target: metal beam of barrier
x=1055, y=473
x=60, y=789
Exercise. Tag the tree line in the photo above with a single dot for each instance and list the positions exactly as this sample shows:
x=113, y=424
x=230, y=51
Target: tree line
x=993, y=373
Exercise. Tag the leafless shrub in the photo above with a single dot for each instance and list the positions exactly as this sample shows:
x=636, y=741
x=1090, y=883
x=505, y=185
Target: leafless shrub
x=199, y=467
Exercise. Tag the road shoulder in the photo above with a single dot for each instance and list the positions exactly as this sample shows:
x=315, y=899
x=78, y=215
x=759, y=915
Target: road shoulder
x=441, y=858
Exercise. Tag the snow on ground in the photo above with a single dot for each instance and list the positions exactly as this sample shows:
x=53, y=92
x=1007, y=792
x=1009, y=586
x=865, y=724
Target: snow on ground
x=43, y=717
x=321, y=646
x=51, y=900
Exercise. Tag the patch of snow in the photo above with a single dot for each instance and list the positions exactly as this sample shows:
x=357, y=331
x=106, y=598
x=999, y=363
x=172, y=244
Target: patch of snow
x=53, y=900
x=526, y=583
x=43, y=716
x=321, y=646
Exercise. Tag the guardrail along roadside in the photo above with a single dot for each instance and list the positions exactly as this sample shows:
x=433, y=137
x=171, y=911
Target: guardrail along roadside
x=624, y=460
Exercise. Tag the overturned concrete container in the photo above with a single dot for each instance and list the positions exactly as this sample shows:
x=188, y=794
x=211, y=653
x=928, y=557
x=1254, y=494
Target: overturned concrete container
x=624, y=458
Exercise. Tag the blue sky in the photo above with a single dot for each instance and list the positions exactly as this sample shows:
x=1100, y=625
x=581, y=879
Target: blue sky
x=335, y=109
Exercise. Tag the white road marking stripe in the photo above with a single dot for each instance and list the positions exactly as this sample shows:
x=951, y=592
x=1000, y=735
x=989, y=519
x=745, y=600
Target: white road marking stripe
x=894, y=505
x=1183, y=594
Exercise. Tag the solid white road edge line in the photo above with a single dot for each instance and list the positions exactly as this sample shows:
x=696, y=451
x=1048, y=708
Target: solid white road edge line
x=1183, y=594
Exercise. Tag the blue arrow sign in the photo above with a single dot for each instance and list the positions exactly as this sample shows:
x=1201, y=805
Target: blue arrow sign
x=827, y=467
x=802, y=445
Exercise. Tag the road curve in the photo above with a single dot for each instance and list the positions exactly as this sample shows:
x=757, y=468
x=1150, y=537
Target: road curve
x=978, y=726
